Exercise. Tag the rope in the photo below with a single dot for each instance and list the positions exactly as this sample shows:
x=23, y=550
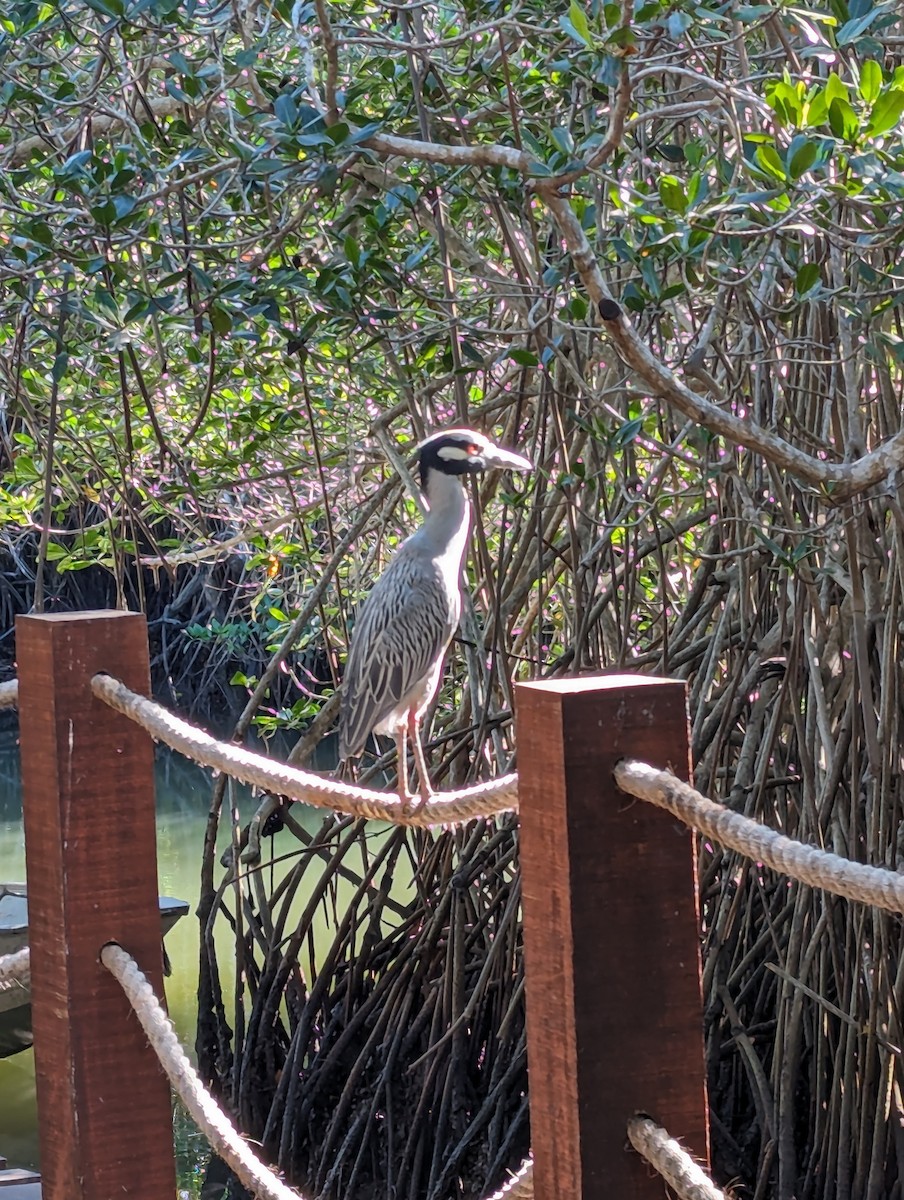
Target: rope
x=206, y=1113
x=671, y=1161
x=520, y=1186
x=446, y=808
x=9, y=694
x=818, y=868
x=15, y=969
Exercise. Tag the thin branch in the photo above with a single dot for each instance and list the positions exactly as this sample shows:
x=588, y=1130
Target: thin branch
x=330, y=49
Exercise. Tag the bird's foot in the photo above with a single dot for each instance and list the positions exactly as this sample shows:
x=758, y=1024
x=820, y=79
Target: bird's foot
x=413, y=803
x=408, y=801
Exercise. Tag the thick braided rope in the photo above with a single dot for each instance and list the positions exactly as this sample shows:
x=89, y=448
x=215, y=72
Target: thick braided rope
x=818, y=868
x=9, y=694
x=446, y=808
x=520, y=1186
x=15, y=969
x=205, y=1111
x=671, y=1161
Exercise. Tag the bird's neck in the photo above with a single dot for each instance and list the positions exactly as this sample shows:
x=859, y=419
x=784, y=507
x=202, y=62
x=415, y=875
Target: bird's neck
x=449, y=520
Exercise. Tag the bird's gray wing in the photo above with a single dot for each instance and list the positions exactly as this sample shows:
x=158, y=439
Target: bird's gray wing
x=402, y=630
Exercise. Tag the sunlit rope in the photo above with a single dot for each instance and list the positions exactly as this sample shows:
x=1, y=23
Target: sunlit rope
x=520, y=1186
x=446, y=808
x=818, y=868
x=15, y=969
x=207, y=1114
x=9, y=694
x=670, y=1160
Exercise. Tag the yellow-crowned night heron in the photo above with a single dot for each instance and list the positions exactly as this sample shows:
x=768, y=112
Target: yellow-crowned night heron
x=404, y=626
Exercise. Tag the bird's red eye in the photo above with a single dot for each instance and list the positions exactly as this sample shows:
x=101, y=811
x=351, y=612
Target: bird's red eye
x=473, y=449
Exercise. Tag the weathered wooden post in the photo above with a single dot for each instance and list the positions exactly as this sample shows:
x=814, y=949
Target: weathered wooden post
x=611, y=936
x=90, y=847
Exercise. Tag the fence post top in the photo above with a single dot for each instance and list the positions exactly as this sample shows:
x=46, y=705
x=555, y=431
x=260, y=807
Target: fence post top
x=598, y=681
x=94, y=614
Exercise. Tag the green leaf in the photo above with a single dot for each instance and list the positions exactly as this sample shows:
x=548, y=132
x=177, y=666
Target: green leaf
x=75, y=164
x=816, y=111
x=40, y=232
x=338, y=132
x=851, y=30
x=563, y=139
x=835, y=89
x=524, y=358
x=802, y=160
x=109, y=8
x=807, y=278
x=578, y=308
x=634, y=299
x=25, y=468
x=886, y=112
x=627, y=432
x=672, y=194
x=870, y=81
x=105, y=213
x=767, y=158
x=843, y=120
x=578, y=18
x=286, y=110
x=220, y=319
x=786, y=101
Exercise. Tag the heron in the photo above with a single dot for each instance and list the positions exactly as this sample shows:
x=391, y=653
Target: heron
x=405, y=624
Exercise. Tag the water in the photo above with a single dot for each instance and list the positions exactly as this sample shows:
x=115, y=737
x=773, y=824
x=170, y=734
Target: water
x=183, y=796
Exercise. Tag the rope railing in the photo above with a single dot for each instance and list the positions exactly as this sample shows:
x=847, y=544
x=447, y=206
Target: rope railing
x=186, y=1082
x=808, y=864
x=446, y=808
x=520, y=1186
x=207, y=1114
x=818, y=868
x=9, y=694
x=670, y=1160
x=854, y=881
x=15, y=969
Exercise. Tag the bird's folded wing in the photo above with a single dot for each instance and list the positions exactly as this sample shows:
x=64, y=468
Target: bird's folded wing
x=402, y=631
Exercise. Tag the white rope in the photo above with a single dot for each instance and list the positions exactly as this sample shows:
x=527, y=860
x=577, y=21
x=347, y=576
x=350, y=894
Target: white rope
x=520, y=1186
x=15, y=969
x=818, y=868
x=207, y=1114
x=671, y=1161
x=205, y=1111
x=9, y=694
x=446, y=808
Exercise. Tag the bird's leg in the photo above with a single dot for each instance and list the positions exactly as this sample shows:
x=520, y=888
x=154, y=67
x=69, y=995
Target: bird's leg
x=402, y=754
x=420, y=759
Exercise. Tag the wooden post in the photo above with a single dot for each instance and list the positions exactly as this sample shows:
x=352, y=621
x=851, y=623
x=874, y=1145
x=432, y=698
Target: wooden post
x=104, y=1111
x=611, y=936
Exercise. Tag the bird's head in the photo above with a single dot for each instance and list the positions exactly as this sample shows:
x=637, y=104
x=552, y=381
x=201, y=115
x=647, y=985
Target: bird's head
x=465, y=452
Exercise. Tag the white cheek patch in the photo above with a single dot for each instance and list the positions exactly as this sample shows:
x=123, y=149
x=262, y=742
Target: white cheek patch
x=453, y=454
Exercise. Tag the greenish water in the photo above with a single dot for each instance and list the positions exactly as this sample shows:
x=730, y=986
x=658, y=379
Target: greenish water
x=183, y=795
